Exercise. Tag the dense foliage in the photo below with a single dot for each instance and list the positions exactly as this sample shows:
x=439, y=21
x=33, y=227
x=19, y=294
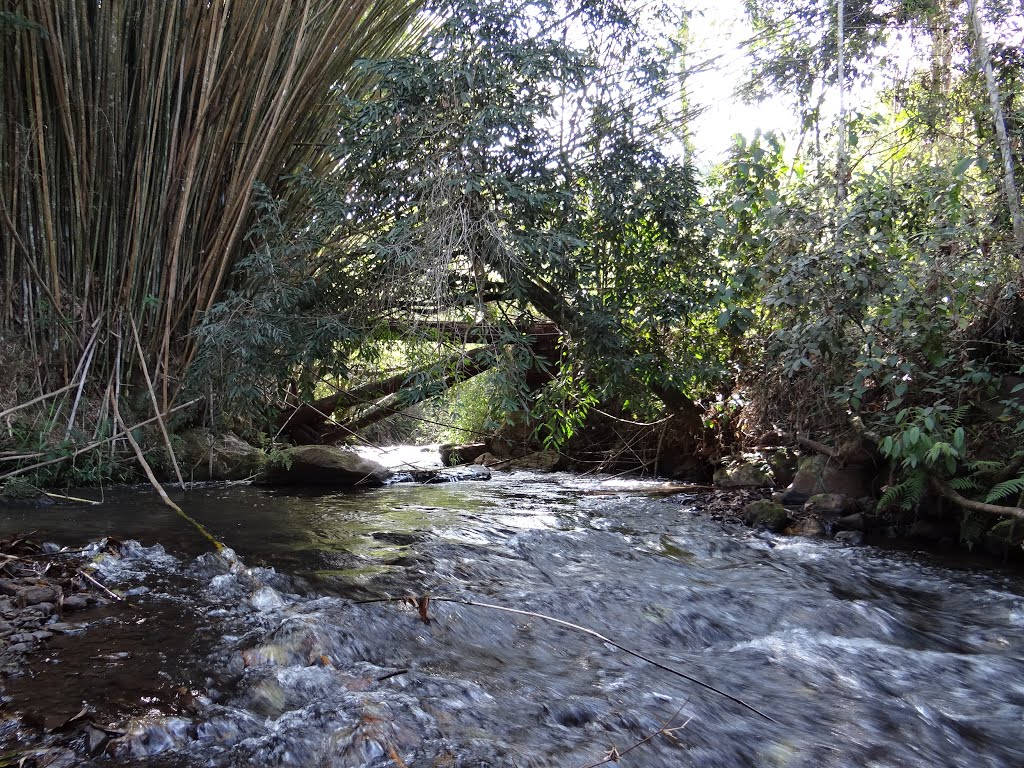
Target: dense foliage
x=508, y=190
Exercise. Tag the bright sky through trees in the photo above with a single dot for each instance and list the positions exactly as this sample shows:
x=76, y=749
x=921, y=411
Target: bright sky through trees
x=718, y=29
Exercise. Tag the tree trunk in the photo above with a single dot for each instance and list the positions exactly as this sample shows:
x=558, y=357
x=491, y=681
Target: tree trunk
x=999, y=120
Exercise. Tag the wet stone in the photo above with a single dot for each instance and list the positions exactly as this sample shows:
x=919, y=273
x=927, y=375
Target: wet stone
x=8, y=587
x=60, y=626
x=42, y=634
x=75, y=602
x=42, y=610
x=854, y=522
x=22, y=637
x=95, y=739
x=36, y=595
x=850, y=538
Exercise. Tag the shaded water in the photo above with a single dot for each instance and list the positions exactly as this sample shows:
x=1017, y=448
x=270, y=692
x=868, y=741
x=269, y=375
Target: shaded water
x=863, y=657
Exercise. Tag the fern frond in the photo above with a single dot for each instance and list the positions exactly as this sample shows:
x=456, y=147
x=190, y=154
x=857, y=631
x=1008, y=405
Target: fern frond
x=1013, y=487
x=906, y=494
x=956, y=416
x=972, y=528
x=982, y=466
x=962, y=484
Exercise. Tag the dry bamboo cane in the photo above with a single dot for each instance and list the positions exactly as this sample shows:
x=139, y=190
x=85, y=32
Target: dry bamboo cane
x=93, y=445
x=156, y=484
x=156, y=405
x=39, y=399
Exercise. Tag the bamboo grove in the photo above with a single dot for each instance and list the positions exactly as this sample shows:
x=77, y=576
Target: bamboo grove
x=131, y=136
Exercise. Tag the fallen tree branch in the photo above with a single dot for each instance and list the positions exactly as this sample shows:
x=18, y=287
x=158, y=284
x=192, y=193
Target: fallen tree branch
x=462, y=364
x=155, y=483
x=423, y=601
x=156, y=406
x=943, y=489
x=110, y=592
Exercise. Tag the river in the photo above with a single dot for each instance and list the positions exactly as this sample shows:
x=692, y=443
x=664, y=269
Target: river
x=851, y=656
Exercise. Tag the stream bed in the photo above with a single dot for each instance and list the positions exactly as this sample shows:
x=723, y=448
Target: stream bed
x=851, y=656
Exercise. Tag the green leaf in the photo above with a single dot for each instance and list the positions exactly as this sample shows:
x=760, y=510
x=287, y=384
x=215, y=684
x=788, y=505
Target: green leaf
x=961, y=168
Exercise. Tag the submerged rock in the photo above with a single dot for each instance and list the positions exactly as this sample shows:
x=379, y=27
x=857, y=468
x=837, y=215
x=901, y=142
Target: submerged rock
x=461, y=474
x=850, y=538
x=324, y=465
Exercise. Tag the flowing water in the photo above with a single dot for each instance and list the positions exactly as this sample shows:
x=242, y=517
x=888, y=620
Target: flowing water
x=858, y=656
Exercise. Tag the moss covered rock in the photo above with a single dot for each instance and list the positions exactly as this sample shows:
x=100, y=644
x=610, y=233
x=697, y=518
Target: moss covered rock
x=744, y=474
x=766, y=514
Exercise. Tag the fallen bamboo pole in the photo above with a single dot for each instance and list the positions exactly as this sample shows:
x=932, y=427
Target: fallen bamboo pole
x=156, y=483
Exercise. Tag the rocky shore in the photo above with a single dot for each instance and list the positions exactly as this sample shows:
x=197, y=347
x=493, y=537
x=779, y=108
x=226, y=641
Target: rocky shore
x=42, y=586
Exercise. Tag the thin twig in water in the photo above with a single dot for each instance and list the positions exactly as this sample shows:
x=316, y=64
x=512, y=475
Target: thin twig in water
x=586, y=631
x=613, y=754
x=91, y=580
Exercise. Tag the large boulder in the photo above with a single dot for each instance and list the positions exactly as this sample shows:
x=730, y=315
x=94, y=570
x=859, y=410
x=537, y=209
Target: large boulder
x=744, y=474
x=538, y=461
x=205, y=456
x=830, y=506
x=452, y=455
x=324, y=465
x=819, y=474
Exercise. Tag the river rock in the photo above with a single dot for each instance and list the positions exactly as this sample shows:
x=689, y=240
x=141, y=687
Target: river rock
x=819, y=474
x=766, y=514
x=854, y=522
x=829, y=506
x=486, y=460
x=538, y=461
x=809, y=526
x=850, y=538
x=744, y=474
x=75, y=602
x=932, y=530
x=472, y=472
x=452, y=454
x=36, y=595
x=324, y=465
x=205, y=456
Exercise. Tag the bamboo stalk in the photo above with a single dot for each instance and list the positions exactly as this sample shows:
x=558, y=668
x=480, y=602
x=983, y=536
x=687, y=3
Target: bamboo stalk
x=156, y=405
x=134, y=132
